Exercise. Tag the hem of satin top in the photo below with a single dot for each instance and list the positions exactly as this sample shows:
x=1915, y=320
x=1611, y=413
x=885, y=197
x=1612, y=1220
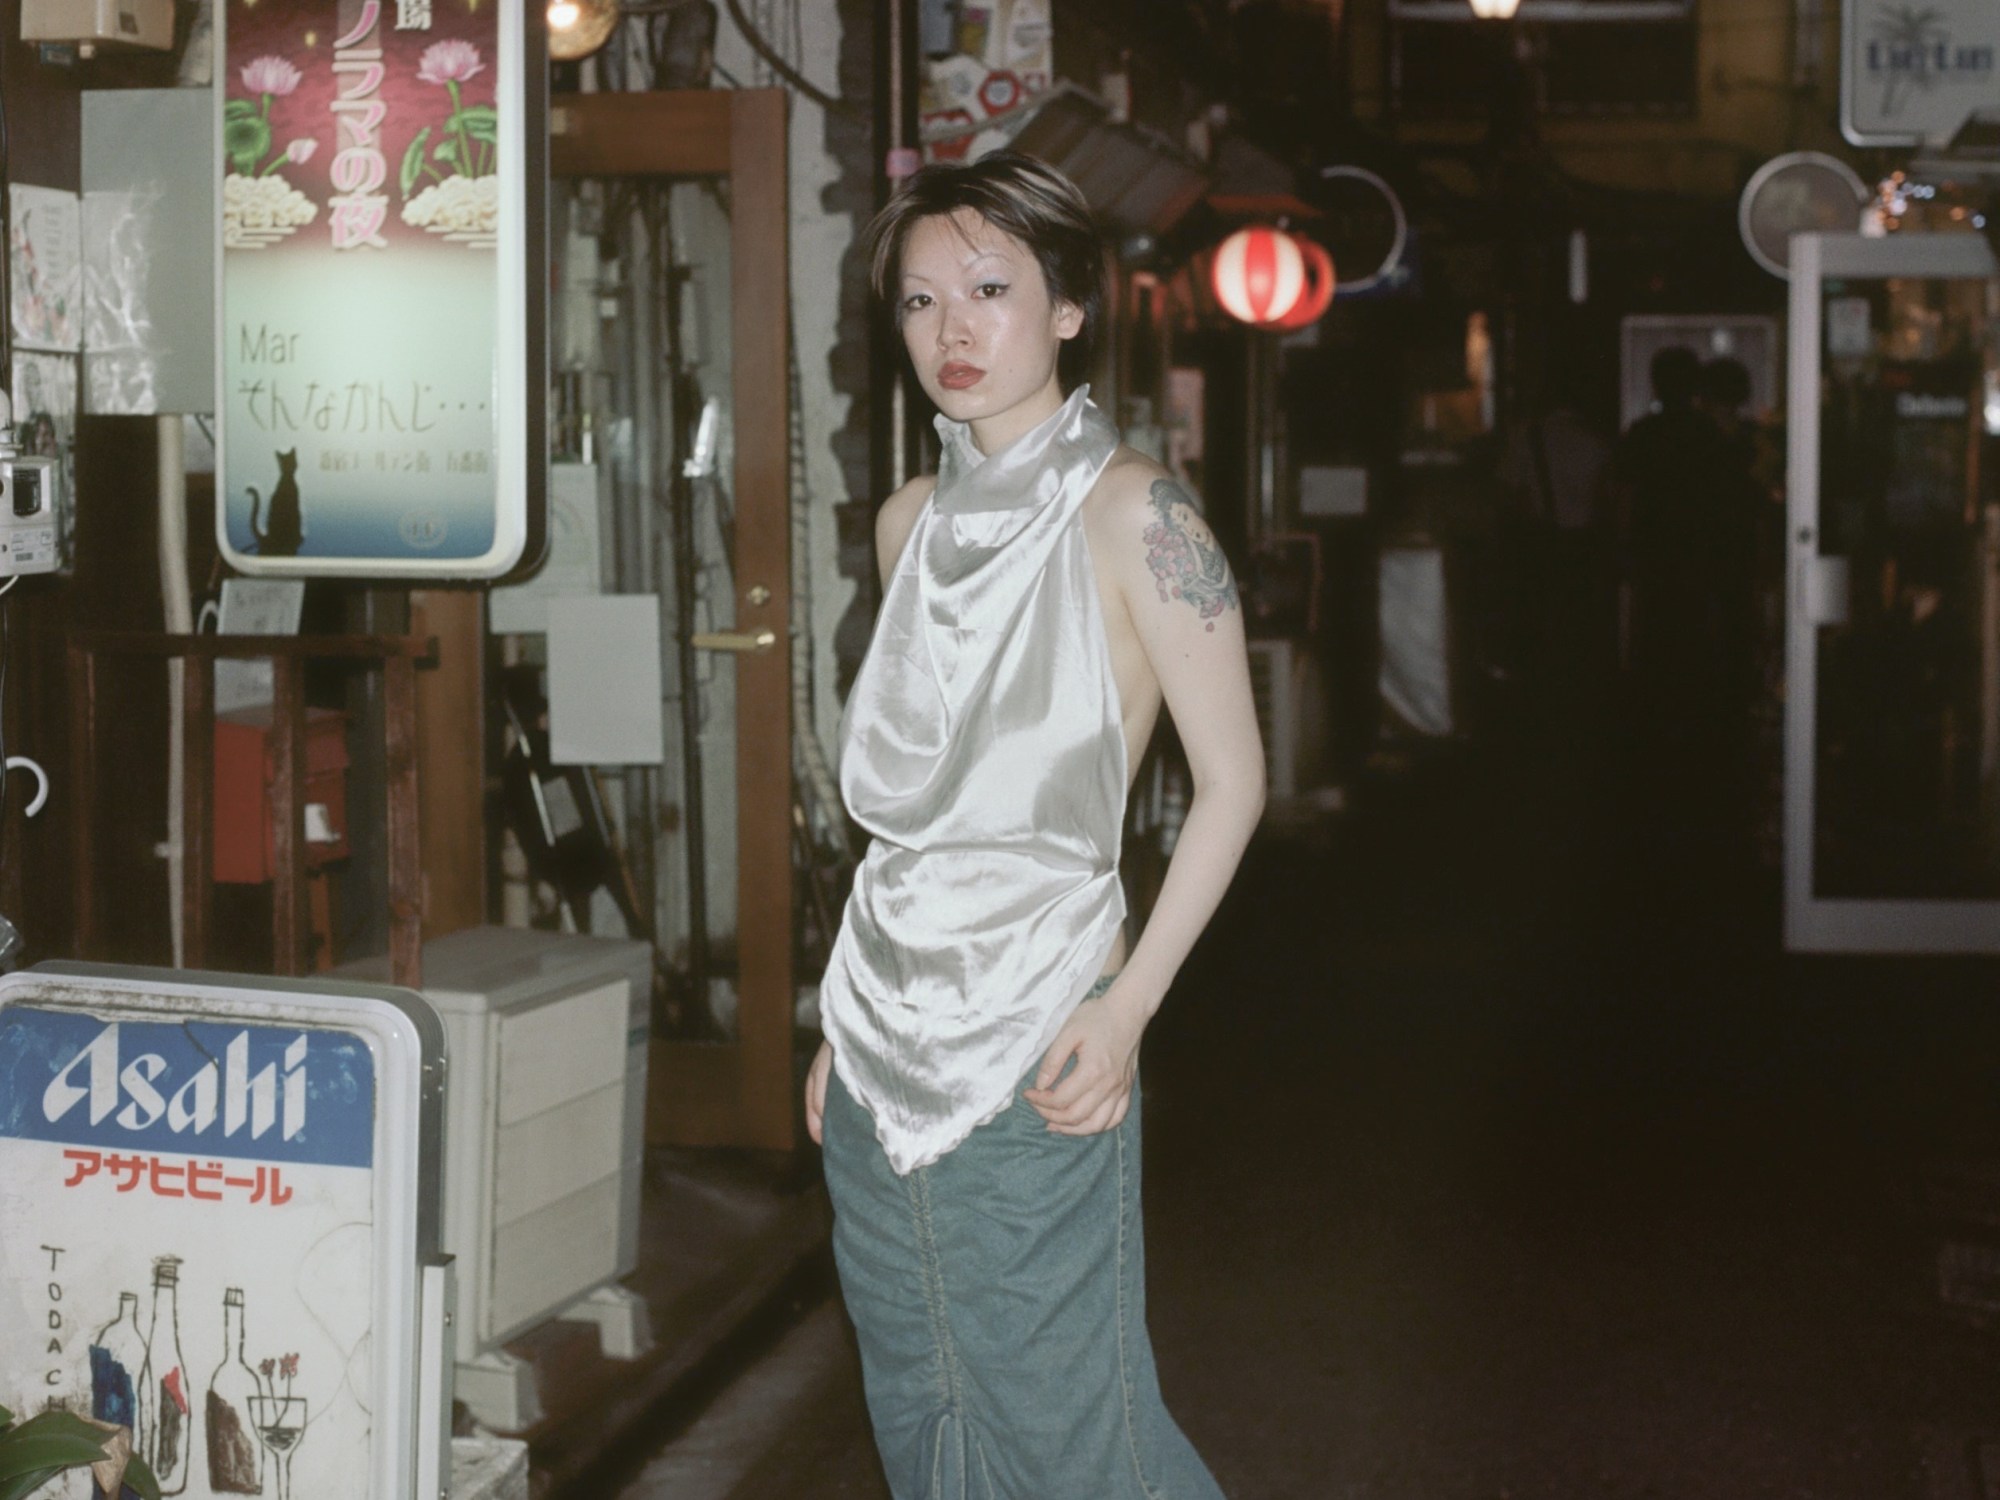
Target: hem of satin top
x=1057, y=1019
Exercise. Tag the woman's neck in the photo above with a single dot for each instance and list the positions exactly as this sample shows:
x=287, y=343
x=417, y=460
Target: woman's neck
x=991, y=434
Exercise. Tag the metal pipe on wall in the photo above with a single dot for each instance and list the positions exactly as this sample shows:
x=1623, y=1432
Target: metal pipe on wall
x=896, y=449
x=170, y=442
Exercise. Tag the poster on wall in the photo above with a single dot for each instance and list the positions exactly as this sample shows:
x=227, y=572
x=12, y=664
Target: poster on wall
x=1911, y=74
x=46, y=262
x=379, y=325
x=210, y=1231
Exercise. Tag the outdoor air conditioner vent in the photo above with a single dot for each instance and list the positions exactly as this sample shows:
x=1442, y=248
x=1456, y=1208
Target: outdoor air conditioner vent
x=544, y=1143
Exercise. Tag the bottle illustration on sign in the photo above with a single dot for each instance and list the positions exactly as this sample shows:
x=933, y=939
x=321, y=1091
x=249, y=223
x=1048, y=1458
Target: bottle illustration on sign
x=284, y=530
x=280, y=1420
x=117, y=1373
x=165, y=1381
x=235, y=1455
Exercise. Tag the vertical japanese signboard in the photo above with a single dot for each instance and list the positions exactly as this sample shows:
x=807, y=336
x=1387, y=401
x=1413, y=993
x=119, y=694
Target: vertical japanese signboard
x=379, y=317
x=213, y=1222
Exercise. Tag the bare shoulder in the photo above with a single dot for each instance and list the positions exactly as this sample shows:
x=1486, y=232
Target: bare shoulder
x=1148, y=526
x=1122, y=494
x=894, y=520
x=1136, y=493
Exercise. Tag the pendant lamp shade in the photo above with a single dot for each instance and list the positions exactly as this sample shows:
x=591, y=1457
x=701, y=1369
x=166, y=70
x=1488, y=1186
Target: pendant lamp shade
x=1259, y=275
x=1317, y=296
x=578, y=28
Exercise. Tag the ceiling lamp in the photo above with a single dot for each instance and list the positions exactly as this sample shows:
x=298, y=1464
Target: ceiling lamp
x=578, y=28
x=1495, y=10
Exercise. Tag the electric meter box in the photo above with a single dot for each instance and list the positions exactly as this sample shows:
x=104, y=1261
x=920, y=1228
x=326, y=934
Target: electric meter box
x=99, y=23
x=219, y=1211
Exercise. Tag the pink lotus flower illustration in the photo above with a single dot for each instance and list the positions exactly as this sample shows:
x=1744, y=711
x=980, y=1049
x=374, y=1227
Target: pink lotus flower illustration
x=259, y=205
x=272, y=77
x=460, y=197
x=450, y=62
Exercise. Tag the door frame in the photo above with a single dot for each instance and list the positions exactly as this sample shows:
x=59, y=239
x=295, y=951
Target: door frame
x=738, y=1093
x=1816, y=924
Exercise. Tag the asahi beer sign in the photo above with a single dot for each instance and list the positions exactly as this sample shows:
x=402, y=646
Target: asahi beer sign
x=1914, y=70
x=191, y=1221
x=373, y=299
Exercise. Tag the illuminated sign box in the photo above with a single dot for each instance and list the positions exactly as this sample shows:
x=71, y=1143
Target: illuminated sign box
x=379, y=293
x=1912, y=74
x=218, y=1227
x=1549, y=11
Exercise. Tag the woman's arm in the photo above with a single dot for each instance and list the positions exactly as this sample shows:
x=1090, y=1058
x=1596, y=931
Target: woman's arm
x=1182, y=604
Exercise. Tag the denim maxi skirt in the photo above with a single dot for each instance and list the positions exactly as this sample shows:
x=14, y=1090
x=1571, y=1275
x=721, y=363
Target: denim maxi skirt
x=999, y=1299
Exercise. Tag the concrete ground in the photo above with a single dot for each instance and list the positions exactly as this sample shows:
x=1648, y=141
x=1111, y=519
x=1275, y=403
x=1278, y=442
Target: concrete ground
x=1495, y=1152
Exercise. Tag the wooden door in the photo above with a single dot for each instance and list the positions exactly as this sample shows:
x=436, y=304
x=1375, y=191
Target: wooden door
x=739, y=1093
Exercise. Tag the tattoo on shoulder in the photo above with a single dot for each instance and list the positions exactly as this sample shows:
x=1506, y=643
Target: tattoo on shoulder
x=1186, y=562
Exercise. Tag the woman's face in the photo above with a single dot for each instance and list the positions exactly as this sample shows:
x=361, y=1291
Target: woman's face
x=981, y=327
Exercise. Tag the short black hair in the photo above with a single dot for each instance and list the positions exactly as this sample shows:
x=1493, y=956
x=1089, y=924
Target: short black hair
x=1676, y=375
x=1023, y=197
x=1727, y=383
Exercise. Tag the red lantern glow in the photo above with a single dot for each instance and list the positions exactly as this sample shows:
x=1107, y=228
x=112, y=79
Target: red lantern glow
x=1318, y=294
x=1259, y=275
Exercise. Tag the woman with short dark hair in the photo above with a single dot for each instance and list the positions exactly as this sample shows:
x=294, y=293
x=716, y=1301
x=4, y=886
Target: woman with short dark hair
x=1044, y=594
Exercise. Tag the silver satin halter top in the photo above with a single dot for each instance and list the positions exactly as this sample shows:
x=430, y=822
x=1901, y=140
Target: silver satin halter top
x=982, y=747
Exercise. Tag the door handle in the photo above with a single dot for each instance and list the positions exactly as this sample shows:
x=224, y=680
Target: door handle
x=1826, y=588
x=735, y=640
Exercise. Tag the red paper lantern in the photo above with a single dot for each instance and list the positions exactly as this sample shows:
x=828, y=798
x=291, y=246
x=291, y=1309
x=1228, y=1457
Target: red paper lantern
x=1259, y=275
x=1318, y=295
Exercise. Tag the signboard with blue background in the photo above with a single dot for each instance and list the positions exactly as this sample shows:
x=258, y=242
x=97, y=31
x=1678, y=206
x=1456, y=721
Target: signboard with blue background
x=191, y=1219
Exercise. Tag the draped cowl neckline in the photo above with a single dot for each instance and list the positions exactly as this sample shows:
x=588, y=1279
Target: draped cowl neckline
x=1030, y=471
x=982, y=747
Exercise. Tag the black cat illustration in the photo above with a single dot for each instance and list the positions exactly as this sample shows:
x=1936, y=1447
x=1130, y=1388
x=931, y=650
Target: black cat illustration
x=280, y=537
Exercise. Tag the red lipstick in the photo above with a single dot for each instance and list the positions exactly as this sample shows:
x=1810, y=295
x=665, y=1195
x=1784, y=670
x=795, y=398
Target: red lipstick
x=958, y=376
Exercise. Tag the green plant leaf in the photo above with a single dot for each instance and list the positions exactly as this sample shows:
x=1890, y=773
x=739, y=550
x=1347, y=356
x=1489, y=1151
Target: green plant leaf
x=413, y=160
x=247, y=140
x=237, y=109
x=24, y=1485
x=447, y=152
x=39, y=1444
x=6, y=1418
x=480, y=121
x=139, y=1477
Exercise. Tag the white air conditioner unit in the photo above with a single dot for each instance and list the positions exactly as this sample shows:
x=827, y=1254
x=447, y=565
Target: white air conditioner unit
x=545, y=1106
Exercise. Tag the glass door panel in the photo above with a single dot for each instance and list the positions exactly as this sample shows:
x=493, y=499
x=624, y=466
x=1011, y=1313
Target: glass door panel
x=1893, y=718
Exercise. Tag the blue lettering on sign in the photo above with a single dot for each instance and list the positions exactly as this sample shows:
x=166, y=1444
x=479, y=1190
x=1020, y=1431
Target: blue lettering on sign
x=267, y=1093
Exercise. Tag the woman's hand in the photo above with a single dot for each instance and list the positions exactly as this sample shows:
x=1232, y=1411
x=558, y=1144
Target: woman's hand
x=822, y=1063
x=1103, y=1032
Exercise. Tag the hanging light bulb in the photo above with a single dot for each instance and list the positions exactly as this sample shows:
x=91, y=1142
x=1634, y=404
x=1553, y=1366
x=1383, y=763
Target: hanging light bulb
x=578, y=28
x=1495, y=10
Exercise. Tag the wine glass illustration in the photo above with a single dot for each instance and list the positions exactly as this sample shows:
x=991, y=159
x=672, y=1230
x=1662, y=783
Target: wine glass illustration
x=280, y=1422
